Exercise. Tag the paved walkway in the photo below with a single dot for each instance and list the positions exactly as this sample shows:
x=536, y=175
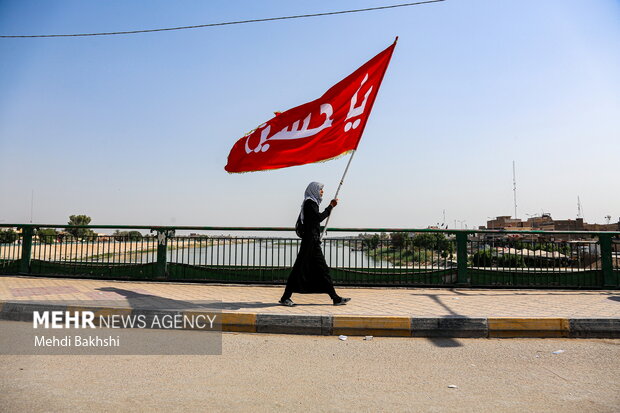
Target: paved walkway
x=399, y=306
x=420, y=302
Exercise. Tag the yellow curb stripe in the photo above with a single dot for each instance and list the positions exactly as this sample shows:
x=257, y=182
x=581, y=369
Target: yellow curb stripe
x=239, y=322
x=371, y=326
x=528, y=327
x=202, y=320
x=100, y=312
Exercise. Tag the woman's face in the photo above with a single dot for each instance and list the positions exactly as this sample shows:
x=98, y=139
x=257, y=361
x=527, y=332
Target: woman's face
x=321, y=192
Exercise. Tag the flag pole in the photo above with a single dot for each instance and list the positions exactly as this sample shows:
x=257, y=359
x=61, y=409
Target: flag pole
x=353, y=152
x=338, y=190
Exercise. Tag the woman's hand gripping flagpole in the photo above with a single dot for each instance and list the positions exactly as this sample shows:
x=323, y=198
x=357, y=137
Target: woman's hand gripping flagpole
x=337, y=191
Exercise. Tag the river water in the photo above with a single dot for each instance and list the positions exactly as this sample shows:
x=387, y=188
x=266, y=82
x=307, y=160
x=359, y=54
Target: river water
x=280, y=253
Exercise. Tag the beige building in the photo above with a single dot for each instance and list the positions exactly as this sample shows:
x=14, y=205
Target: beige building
x=546, y=223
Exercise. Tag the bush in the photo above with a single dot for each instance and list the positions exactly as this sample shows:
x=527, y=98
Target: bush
x=8, y=237
x=423, y=255
x=511, y=260
x=562, y=248
x=482, y=258
x=47, y=235
x=127, y=235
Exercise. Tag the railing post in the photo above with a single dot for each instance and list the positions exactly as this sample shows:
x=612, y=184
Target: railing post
x=24, y=266
x=461, y=258
x=606, y=261
x=161, y=270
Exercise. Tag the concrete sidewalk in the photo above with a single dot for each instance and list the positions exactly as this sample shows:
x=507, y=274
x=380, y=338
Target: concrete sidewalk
x=372, y=311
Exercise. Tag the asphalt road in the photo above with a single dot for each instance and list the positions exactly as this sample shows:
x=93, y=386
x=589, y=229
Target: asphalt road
x=259, y=372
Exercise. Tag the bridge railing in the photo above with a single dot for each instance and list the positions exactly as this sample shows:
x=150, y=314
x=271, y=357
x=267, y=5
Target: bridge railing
x=356, y=256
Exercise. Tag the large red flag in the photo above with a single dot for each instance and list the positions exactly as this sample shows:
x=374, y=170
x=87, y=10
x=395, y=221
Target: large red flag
x=315, y=131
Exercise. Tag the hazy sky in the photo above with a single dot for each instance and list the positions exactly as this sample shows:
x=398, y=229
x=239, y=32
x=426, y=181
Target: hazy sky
x=136, y=129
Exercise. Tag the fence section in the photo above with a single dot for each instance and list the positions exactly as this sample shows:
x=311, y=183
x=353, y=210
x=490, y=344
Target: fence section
x=388, y=257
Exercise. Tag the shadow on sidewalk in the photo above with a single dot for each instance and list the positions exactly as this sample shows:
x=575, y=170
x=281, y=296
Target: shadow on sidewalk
x=444, y=342
x=138, y=300
x=614, y=298
x=475, y=292
x=437, y=299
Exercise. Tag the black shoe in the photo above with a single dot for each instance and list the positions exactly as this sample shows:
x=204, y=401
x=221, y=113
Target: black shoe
x=287, y=303
x=342, y=301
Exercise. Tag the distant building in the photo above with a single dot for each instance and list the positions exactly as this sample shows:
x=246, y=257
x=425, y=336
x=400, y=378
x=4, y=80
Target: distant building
x=603, y=227
x=546, y=223
x=504, y=222
x=563, y=225
x=104, y=237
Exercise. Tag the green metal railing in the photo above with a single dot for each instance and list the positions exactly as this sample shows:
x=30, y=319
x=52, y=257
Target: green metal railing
x=361, y=256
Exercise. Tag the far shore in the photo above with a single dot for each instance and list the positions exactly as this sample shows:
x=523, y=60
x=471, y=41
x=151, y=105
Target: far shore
x=120, y=250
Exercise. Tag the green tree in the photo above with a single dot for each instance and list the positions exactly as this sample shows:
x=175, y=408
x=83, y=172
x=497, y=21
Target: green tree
x=399, y=240
x=8, y=237
x=79, y=220
x=127, y=235
x=371, y=242
x=432, y=241
x=511, y=260
x=482, y=258
x=47, y=235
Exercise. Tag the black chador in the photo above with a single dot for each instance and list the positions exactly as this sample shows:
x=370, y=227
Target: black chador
x=310, y=274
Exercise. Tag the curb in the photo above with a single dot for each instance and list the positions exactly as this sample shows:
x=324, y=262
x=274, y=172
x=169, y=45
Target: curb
x=450, y=327
x=356, y=325
x=378, y=326
x=509, y=327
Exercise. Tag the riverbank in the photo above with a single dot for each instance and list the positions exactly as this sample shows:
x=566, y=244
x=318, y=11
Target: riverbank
x=119, y=250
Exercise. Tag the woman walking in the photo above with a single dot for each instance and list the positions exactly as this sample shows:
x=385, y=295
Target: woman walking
x=310, y=274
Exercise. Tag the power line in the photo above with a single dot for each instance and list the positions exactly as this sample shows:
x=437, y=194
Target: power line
x=301, y=16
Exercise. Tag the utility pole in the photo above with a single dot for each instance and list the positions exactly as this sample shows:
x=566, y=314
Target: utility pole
x=514, y=186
